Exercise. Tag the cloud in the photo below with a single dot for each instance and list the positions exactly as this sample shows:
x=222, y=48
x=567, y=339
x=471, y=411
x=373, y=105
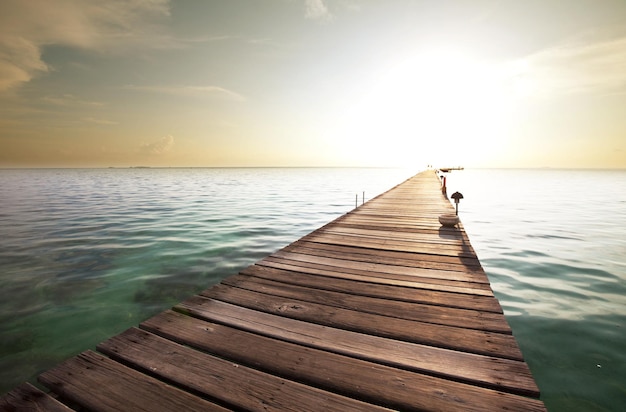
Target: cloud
x=19, y=61
x=27, y=27
x=103, y=122
x=317, y=10
x=207, y=39
x=158, y=147
x=584, y=68
x=215, y=91
x=70, y=100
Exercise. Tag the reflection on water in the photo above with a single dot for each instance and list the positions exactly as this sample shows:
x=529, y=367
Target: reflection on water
x=553, y=244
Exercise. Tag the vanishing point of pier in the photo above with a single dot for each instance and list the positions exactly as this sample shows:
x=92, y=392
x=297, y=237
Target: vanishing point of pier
x=381, y=309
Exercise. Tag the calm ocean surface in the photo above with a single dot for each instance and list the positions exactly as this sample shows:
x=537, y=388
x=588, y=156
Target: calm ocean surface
x=85, y=254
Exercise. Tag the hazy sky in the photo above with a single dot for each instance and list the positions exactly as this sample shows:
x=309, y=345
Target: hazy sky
x=313, y=83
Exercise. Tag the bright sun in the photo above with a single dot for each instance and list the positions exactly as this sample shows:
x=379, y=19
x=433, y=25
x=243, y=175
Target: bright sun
x=439, y=107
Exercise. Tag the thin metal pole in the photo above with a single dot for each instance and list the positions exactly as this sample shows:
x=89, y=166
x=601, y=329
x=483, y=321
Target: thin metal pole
x=363, y=197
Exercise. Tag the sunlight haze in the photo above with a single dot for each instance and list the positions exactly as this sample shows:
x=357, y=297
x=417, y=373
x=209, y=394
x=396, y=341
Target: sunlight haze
x=313, y=83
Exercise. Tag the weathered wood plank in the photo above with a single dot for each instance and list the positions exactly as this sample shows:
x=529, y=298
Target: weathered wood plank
x=397, y=245
x=230, y=383
x=456, y=338
x=417, y=260
x=463, y=276
x=369, y=382
x=374, y=289
x=387, y=306
x=400, y=224
x=501, y=374
x=379, y=277
x=357, y=221
x=98, y=383
x=27, y=398
x=384, y=235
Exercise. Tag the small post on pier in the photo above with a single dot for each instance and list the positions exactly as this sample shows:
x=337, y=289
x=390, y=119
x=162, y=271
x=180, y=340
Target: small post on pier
x=457, y=198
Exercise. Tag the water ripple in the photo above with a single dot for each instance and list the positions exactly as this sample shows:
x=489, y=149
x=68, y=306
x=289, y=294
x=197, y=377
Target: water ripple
x=553, y=245
x=88, y=253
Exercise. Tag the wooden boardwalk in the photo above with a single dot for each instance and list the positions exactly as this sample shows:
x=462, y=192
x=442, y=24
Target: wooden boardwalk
x=381, y=309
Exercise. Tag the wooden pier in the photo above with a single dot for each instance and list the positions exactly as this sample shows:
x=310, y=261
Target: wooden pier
x=381, y=309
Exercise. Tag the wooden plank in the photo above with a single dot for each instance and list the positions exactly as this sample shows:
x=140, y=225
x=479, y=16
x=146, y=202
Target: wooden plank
x=379, y=277
x=501, y=374
x=230, y=383
x=100, y=384
x=456, y=338
x=377, y=290
x=27, y=398
x=417, y=260
x=384, y=235
x=387, y=306
x=426, y=219
x=415, y=214
x=463, y=276
x=398, y=245
x=355, y=221
x=370, y=382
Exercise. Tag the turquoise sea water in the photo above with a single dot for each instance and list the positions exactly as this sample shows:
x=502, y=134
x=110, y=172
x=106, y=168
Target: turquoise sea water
x=553, y=243
x=84, y=254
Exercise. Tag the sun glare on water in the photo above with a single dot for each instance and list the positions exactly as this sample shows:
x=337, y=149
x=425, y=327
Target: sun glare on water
x=439, y=107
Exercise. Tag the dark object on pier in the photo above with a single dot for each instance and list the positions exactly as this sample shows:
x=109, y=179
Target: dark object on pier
x=457, y=198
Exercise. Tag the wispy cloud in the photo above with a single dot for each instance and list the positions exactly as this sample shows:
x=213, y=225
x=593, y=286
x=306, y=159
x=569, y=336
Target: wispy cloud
x=70, y=100
x=20, y=60
x=26, y=27
x=583, y=68
x=158, y=147
x=214, y=91
x=206, y=39
x=317, y=10
x=103, y=122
